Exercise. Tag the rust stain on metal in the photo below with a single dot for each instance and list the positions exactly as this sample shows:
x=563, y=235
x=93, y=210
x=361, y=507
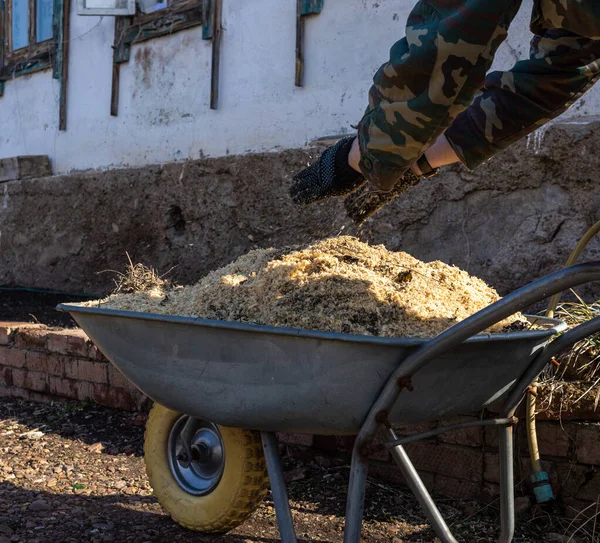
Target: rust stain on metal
x=383, y=417
x=531, y=390
x=405, y=383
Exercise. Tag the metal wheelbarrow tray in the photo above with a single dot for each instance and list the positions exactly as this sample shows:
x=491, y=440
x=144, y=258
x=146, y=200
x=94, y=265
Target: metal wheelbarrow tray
x=274, y=379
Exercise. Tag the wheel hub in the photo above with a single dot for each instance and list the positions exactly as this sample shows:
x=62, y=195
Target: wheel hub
x=196, y=455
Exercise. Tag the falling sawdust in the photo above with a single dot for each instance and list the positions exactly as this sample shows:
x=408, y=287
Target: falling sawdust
x=338, y=285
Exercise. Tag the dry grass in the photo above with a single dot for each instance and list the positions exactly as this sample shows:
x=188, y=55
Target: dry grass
x=583, y=361
x=575, y=384
x=338, y=284
x=138, y=278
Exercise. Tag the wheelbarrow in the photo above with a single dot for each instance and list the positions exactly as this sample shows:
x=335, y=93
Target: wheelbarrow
x=223, y=389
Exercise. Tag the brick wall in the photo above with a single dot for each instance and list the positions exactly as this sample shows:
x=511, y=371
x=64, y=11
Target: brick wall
x=41, y=364
x=464, y=464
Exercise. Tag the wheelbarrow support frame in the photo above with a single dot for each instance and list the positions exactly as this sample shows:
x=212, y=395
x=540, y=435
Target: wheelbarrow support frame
x=401, y=379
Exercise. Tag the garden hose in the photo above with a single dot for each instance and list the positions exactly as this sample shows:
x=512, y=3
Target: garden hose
x=541, y=483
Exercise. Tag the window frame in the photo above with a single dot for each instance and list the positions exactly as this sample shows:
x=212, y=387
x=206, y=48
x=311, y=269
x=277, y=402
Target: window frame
x=181, y=15
x=51, y=53
x=33, y=57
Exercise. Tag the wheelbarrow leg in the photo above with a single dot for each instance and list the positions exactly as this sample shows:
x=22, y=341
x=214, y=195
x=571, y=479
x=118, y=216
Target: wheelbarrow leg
x=507, y=491
x=355, y=500
x=278, y=489
x=418, y=489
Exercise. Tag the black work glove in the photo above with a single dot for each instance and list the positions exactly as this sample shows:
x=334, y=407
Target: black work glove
x=329, y=176
x=365, y=202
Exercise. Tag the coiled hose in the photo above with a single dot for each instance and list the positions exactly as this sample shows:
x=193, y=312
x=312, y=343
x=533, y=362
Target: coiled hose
x=541, y=483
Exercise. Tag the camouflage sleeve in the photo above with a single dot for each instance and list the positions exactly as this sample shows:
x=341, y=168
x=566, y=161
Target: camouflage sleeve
x=432, y=75
x=562, y=66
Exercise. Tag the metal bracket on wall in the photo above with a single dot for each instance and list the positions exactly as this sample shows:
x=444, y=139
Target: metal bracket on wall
x=212, y=30
x=304, y=8
x=140, y=28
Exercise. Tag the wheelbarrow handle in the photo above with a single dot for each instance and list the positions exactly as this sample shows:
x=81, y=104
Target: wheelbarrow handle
x=498, y=311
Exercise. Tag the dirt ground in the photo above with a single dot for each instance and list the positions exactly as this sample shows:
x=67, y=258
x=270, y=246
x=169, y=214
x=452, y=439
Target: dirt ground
x=26, y=305
x=74, y=473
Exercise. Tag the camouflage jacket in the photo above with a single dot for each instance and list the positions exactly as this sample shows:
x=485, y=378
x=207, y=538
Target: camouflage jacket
x=435, y=81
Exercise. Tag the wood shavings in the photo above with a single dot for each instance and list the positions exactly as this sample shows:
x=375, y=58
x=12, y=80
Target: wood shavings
x=337, y=284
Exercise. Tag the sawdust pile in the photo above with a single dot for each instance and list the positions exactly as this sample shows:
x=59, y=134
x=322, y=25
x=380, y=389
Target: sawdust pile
x=338, y=284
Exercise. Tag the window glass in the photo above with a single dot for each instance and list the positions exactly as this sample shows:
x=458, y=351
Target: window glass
x=43, y=20
x=20, y=24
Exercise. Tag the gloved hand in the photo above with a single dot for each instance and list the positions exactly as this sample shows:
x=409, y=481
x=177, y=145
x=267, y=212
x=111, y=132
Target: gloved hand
x=329, y=176
x=365, y=202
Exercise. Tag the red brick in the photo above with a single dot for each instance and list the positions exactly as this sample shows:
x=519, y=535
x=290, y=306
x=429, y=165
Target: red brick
x=70, y=367
x=95, y=353
x=7, y=330
x=334, y=443
x=472, y=437
x=491, y=436
x=378, y=451
x=19, y=393
x=6, y=376
x=587, y=442
x=449, y=460
x=36, y=361
x=571, y=477
x=305, y=440
x=457, y=488
x=390, y=473
x=55, y=365
x=491, y=467
x=12, y=357
x=30, y=395
x=590, y=490
x=405, y=430
x=72, y=342
x=116, y=378
x=32, y=337
x=36, y=381
x=29, y=380
x=113, y=397
x=554, y=439
x=381, y=454
x=85, y=370
x=94, y=372
x=62, y=387
x=17, y=378
x=84, y=391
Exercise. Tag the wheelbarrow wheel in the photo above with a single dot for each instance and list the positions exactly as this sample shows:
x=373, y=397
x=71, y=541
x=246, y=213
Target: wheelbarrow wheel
x=211, y=483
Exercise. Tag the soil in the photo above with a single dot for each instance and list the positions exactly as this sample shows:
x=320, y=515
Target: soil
x=74, y=473
x=22, y=305
x=509, y=221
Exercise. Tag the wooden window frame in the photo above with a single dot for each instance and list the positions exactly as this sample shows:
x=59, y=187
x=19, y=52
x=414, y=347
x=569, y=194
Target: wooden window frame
x=32, y=57
x=146, y=26
x=51, y=53
x=181, y=15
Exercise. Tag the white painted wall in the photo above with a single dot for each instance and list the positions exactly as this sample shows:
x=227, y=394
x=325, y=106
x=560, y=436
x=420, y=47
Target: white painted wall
x=164, y=110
